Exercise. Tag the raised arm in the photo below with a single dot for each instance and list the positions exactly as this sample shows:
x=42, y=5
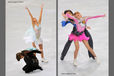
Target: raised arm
x=29, y=13
x=31, y=17
x=94, y=17
x=76, y=21
x=40, y=18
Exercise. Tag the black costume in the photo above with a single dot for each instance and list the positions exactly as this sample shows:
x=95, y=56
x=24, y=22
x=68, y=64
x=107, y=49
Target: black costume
x=31, y=61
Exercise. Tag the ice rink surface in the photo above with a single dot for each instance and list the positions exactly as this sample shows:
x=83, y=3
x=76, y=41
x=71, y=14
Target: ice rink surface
x=99, y=32
x=17, y=23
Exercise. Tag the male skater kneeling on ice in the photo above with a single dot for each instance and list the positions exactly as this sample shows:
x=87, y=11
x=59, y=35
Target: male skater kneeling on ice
x=30, y=59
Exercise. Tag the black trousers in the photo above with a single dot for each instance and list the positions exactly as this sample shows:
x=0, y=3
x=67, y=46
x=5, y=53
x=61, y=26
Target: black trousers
x=31, y=67
x=68, y=43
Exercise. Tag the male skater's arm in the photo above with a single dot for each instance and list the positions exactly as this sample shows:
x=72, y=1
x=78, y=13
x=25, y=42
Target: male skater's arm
x=64, y=23
x=34, y=51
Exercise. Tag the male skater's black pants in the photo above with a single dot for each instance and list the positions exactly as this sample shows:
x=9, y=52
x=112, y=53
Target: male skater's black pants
x=68, y=43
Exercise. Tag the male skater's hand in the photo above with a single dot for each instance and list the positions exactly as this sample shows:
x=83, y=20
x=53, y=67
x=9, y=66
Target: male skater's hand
x=64, y=15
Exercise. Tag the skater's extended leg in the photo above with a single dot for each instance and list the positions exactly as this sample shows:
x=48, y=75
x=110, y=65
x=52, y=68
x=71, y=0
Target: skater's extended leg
x=33, y=44
x=42, y=53
x=76, y=49
x=66, y=48
x=89, y=48
x=41, y=49
x=90, y=41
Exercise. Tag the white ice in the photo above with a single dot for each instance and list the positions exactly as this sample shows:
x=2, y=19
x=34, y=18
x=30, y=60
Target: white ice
x=99, y=32
x=17, y=22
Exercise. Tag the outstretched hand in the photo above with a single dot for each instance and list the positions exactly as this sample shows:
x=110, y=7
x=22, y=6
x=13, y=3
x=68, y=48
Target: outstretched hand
x=104, y=15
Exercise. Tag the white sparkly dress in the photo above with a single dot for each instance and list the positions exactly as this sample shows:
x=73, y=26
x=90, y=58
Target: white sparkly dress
x=32, y=35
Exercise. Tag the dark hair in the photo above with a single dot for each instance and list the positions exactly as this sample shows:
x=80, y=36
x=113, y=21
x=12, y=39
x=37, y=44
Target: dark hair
x=68, y=11
x=18, y=56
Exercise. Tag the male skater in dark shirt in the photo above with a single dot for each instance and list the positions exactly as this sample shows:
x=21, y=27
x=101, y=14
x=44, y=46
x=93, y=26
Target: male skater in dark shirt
x=30, y=59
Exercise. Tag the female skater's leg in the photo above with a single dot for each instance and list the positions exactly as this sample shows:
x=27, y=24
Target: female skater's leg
x=33, y=44
x=41, y=49
x=76, y=51
x=42, y=53
x=91, y=50
x=90, y=42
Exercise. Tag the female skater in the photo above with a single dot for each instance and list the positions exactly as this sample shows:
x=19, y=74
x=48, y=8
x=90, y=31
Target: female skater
x=33, y=34
x=68, y=43
x=82, y=37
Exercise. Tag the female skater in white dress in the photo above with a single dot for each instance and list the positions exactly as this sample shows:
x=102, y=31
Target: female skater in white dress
x=33, y=34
